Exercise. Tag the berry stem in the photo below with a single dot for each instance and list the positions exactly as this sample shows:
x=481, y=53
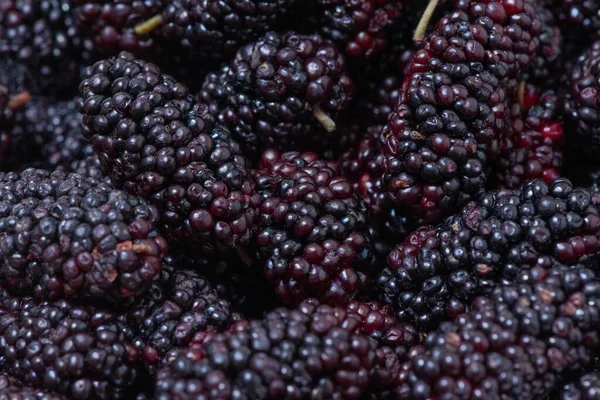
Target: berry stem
x=419, y=34
x=19, y=100
x=324, y=119
x=148, y=25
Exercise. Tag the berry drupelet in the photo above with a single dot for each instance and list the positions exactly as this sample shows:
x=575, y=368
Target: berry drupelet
x=548, y=65
x=313, y=229
x=514, y=344
x=283, y=90
x=79, y=352
x=42, y=35
x=69, y=235
x=534, y=147
x=436, y=272
x=582, y=106
x=586, y=387
x=156, y=142
x=13, y=389
x=453, y=107
x=180, y=304
x=313, y=351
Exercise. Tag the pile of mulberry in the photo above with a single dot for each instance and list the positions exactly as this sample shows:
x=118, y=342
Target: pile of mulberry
x=313, y=229
x=516, y=343
x=68, y=235
x=313, y=351
x=436, y=272
x=61, y=347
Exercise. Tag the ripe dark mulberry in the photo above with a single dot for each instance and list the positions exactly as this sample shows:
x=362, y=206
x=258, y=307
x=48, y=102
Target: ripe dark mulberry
x=310, y=352
x=68, y=235
x=180, y=304
x=42, y=35
x=453, y=107
x=436, y=272
x=80, y=352
x=313, y=229
x=533, y=148
x=156, y=142
x=514, y=344
x=582, y=106
x=13, y=389
x=586, y=387
x=271, y=92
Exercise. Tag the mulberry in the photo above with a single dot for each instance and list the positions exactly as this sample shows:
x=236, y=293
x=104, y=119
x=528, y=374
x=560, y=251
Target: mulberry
x=313, y=229
x=154, y=141
x=436, y=272
x=585, y=388
x=514, y=344
x=180, y=304
x=284, y=91
x=68, y=235
x=13, y=389
x=42, y=35
x=533, y=150
x=76, y=351
x=582, y=114
x=310, y=352
x=453, y=107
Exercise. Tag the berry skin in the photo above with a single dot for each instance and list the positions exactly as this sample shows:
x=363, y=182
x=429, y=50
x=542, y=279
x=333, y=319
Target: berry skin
x=587, y=387
x=313, y=229
x=362, y=28
x=180, y=304
x=76, y=351
x=313, y=351
x=13, y=389
x=42, y=35
x=156, y=142
x=69, y=235
x=273, y=90
x=110, y=24
x=436, y=272
x=514, y=344
x=582, y=106
x=213, y=30
x=454, y=105
x=533, y=150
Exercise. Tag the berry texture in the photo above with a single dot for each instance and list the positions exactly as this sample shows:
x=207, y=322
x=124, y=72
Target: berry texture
x=533, y=149
x=514, y=344
x=80, y=352
x=582, y=113
x=13, y=389
x=310, y=352
x=68, y=235
x=585, y=388
x=180, y=304
x=453, y=107
x=156, y=142
x=436, y=272
x=41, y=34
x=547, y=66
x=215, y=29
x=313, y=230
x=110, y=24
x=275, y=89
x=360, y=27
